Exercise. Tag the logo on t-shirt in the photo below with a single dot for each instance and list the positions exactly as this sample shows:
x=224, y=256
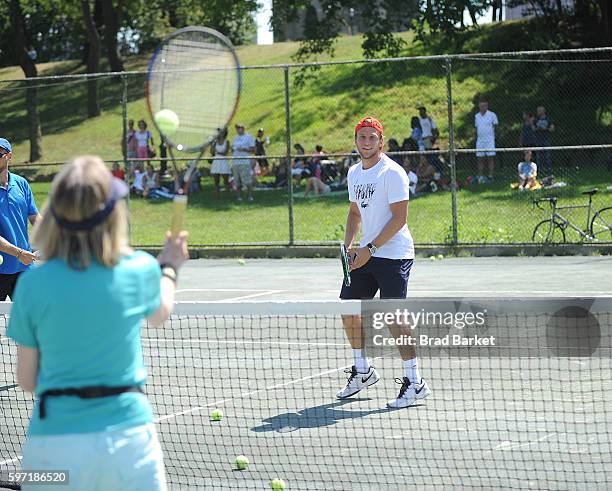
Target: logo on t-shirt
x=364, y=193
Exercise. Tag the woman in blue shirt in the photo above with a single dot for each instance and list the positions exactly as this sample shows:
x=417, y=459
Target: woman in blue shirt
x=76, y=320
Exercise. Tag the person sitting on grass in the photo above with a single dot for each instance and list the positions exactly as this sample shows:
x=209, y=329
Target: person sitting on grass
x=118, y=172
x=317, y=185
x=299, y=168
x=150, y=180
x=527, y=172
x=138, y=175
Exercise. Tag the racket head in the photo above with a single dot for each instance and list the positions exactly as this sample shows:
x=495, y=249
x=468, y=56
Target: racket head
x=195, y=73
x=346, y=264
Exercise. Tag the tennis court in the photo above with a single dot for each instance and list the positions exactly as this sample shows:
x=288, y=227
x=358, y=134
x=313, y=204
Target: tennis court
x=537, y=422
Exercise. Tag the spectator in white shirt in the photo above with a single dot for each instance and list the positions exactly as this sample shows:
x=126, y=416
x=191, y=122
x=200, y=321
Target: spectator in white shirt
x=486, y=123
x=429, y=129
x=243, y=147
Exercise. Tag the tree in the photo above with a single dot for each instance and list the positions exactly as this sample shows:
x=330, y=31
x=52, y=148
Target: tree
x=23, y=57
x=112, y=21
x=93, y=60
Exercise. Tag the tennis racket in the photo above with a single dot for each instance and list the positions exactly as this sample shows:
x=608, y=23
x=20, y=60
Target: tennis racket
x=194, y=77
x=346, y=264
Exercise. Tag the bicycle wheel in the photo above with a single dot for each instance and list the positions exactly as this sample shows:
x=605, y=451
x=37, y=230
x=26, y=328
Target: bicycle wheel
x=601, y=225
x=542, y=230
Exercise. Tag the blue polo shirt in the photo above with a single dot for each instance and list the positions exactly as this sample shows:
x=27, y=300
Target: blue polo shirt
x=86, y=326
x=16, y=205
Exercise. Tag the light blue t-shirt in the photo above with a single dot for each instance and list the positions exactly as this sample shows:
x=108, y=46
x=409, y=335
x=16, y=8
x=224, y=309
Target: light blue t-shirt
x=16, y=205
x=86, y=326
x=528, y=169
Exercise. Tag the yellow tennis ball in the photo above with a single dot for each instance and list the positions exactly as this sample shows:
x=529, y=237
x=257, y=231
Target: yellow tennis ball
x=216, y=415
x=242, y=462
x=432, y=258
x=241, y=261
x=440, y=256
x=167, y=121
x=1, y=259
x=277, y=484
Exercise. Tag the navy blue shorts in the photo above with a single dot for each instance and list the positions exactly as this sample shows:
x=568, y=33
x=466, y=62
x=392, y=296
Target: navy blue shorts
x=390, y=276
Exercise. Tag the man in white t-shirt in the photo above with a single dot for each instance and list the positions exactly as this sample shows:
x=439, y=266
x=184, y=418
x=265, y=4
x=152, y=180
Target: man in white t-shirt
x=378, y=194
x=429, y=129
x=486, y=123
x=243, y=147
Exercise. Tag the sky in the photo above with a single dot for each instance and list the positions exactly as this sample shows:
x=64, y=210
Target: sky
x=264, y=34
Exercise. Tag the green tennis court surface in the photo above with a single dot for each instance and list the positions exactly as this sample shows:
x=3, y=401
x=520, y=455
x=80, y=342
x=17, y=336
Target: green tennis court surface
x=536, y=422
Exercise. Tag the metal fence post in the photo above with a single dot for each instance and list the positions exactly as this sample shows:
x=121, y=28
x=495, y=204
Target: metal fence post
x=288, y=140
x=126, y=164
x=451, y=149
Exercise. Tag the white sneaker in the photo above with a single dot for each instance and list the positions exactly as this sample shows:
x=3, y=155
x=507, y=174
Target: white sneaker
x=357, y=381
x=409, y=393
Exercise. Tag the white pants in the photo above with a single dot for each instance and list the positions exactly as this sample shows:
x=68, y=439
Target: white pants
x=129, y=459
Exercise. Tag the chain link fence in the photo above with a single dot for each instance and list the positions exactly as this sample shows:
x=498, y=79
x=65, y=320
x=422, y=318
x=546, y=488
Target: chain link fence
x=556, y=103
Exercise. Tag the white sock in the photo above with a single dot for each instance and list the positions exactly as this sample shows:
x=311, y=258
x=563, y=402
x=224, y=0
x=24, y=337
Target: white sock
x=411, y=370
x=362, y=364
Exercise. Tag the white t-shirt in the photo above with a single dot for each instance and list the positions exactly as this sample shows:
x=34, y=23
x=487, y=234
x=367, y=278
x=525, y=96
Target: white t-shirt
x=485, y=123
x=142, y=137
x=373, y=190
x=138, y=180
x=427, y=124
x=413, y=179
x=240, y=141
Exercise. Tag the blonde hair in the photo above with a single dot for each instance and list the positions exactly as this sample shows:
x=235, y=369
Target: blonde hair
x=77, y=193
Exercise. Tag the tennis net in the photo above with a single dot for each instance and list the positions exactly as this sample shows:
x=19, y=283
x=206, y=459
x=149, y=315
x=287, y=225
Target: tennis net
x=532, y=410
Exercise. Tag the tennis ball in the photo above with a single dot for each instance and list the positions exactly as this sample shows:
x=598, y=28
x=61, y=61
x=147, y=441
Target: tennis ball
x=167, y=121
x=432, y=258
x=216, y=415
x=440, y=256
x=277, y=484
x=242, y=462
x=241, y=261
x=1, y=259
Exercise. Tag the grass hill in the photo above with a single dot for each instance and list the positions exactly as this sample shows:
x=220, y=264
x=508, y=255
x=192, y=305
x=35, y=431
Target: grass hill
x=577, y=95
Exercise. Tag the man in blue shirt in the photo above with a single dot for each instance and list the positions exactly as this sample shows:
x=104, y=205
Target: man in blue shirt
x=17, y=207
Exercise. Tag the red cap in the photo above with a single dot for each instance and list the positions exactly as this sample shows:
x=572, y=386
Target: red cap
x=369, y=122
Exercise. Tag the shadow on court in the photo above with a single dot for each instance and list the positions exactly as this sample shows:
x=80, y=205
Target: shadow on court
x=315, y=417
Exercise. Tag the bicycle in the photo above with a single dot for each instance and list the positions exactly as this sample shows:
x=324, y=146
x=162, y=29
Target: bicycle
x=552, y=230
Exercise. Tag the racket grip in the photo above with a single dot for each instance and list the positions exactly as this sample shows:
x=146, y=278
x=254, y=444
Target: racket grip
x=178, y=214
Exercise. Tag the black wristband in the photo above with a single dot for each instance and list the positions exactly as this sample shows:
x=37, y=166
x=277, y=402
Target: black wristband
x=169, y=271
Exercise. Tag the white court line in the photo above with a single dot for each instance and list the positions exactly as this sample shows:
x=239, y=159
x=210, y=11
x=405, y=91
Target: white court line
x=230, y=341
x=253, y=295
x=509, y=445
x=220, y=290
x=272, y=387
x=517, y=292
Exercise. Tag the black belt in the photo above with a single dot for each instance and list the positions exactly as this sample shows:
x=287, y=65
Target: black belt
x=86, y=393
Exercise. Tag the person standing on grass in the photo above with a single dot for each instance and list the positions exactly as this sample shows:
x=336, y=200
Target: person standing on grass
x=77, y=324
x=430, y=132
x=144, y=140
x=486, y=123
x=18, y=208
x=243, y=147
x=220, y=168
x=527, y=137
x=132, y=143
x=543, y=128
x=378, y=194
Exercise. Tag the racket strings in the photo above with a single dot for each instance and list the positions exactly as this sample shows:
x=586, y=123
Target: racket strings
x=197, y=76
